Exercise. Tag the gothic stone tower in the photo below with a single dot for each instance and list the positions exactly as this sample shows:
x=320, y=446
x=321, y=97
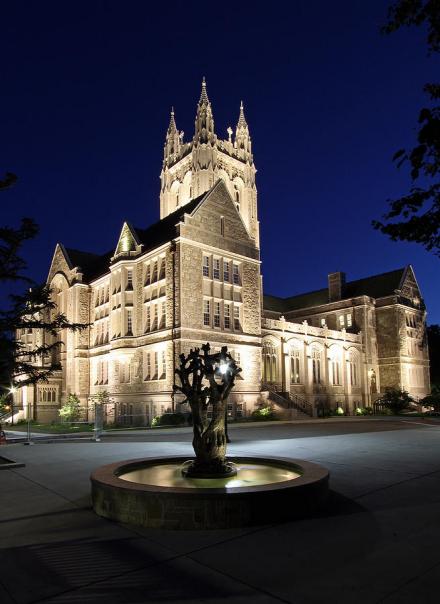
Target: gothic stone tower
x=192, y=168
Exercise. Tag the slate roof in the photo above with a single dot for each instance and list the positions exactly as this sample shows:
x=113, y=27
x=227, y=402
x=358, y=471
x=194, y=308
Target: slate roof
x=95, y=265
x=377, y=286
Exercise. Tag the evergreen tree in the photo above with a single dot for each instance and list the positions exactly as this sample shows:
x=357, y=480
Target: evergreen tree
x=32, y=310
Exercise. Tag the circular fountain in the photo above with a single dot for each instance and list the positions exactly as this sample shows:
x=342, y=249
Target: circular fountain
x=154, y=493
x=210, y=491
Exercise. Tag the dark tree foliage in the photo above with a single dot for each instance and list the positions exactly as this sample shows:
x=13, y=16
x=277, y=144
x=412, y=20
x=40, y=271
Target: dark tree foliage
x=419, y=210
x=35, y=309
x=396, y=400
x=433, y=332
x=8, y=180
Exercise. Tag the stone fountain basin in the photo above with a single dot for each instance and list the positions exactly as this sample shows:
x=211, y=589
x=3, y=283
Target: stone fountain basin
x=177, y=507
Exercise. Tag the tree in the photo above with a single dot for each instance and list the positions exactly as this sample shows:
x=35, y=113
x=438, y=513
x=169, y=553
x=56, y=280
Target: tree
x=33, y=310
x=71, y=410
x=9, y=180
x=396, y=400
x=419, y=210
x=206, y=381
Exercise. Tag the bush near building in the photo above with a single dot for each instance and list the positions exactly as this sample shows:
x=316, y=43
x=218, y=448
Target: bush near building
x=168, y=419
x=396, y=400
x=71, y=410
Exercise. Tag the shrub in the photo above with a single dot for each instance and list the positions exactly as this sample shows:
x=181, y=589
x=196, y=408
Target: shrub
x=71, y=410
x=168, y=419
x=395, y=400
x=263, y=414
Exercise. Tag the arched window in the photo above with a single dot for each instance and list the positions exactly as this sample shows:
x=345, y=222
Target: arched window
x=316, y=365
x=353, y=369
x=335, y=366
x=270, y=373
x=295, y=371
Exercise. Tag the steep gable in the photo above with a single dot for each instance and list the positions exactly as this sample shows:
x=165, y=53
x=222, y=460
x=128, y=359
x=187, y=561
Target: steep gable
x=128, y=243
x=216, y=222
x=61, y=263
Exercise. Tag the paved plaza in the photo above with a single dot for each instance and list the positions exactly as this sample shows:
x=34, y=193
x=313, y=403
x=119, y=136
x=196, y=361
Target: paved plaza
x=377, y=540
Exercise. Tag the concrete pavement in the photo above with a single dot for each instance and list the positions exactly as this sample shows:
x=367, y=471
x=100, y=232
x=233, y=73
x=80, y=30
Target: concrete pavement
x=377, y=541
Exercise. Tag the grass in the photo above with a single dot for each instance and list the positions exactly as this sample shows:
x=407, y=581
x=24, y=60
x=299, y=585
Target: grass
x=55, y=428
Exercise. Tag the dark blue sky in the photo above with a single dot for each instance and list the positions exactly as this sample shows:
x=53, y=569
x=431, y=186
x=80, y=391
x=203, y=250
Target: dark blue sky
x=86, y=93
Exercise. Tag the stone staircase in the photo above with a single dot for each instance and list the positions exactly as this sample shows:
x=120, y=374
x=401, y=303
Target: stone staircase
x=289, y=406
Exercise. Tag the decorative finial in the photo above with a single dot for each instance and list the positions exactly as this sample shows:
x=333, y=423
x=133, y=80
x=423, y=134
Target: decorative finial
x=172, y=127
x=241, y=120
x=204, y=94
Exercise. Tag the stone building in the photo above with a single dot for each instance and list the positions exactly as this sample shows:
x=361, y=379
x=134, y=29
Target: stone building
x=194, y=277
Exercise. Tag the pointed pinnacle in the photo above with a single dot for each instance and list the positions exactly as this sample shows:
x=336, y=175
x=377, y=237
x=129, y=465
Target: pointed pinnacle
x=204, y=94
x=172, y=126
x=242, y=120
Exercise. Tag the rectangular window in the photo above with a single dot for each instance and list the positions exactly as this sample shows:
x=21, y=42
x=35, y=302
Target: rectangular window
x=335, y=373
x=227, y=316
x=154, y=273
x=164, y=366
x=155, y=316
x=162, y=269
x=349, y=321
x=216, y=314
x=206, y=266
x=147, y=366
x=162, y=314
x=147, y=319
x=226, y=273
x=323, y=323
x=147, y=275
x=206, y=312
x=341, y=321
x=156, y=366
x=235, y=274
x=222, y=226
x=237, y=325
x=129, y=323
x=216, y=268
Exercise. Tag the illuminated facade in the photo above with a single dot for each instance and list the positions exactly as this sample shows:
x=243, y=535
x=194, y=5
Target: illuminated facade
x=195, y=277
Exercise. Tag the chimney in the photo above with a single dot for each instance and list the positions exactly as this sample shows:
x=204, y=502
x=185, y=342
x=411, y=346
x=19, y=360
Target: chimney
x=336, y=284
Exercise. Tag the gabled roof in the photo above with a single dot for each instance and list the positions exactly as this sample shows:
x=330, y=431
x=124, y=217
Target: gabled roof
x=377, y=286
x=94, y=265
x=165, y=230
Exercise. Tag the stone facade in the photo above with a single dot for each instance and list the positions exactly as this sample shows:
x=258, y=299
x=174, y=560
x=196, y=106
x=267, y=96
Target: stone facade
x=194, y=277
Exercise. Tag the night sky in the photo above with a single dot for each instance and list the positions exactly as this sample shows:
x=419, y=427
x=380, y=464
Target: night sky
x=87, y=89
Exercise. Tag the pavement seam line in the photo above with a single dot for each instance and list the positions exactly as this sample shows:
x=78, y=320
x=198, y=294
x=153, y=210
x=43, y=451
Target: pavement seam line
x=390, y=486
x=408, y=582
x=43, y=487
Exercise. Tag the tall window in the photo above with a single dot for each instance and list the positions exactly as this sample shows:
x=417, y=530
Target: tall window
x=335, y=366
x=147, y=319
x=147, y=275
x=227, y=316
x=235, y=274
x=341, y=321
x=226, y=273
x=162, y=315
x=163, y=365
x=129, y=280
x=216, y=268
x=154, y=273
x=206, y=312
x=162, y=269
x=352, y=369
x=147, y=366
x=216, y=314
x=156, y=366
x=349, y=320
x=295, y=374
x=269, y=363
x=316, y=366
x=129, y=323
x=237, y=326
x=206, y=266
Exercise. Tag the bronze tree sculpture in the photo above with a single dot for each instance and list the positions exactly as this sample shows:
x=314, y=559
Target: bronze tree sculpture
x=207, y=380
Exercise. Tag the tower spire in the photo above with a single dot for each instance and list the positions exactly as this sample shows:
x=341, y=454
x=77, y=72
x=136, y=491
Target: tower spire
x=172, y=127
x=204, y=124
x=204, y=95
x=241, y=119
